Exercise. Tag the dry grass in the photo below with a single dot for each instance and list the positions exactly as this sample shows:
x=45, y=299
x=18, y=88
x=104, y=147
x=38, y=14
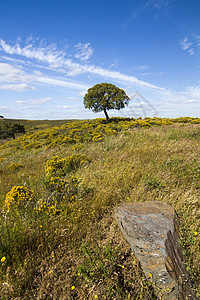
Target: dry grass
x=80, y=253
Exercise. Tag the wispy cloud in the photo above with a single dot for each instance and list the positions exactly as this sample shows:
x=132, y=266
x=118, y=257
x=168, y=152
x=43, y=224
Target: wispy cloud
x=13, y=78
x=61, y=83
x=191, y=43
x=50, y=56
x=186, y=45
x=70, y=98
x=40, y=101
x=192, y=93
x=84, y=51
x=48, y=53
x=11, y=74
x=21, y=87
x=115, y=75
x=160, y=7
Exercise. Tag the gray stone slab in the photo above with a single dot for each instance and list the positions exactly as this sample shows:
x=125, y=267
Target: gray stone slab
x=151, y=228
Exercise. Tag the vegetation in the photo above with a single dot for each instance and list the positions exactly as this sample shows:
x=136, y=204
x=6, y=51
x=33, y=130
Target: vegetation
x=59, y=185
x=105, y=96
x=8, y=130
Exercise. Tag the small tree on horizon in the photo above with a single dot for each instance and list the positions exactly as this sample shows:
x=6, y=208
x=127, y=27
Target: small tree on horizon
x=105, y=96
x=10, y=130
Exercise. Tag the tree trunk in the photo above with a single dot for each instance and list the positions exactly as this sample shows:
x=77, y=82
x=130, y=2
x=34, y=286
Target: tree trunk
x=106, y=114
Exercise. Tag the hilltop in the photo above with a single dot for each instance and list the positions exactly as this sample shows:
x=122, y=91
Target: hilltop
x=60, y=182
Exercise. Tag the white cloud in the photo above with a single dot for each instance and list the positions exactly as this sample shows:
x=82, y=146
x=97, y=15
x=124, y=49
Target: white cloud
x=48, y=54
x=190, y=96
x=61, y=82
x=14, y=78
x=34, y=101
x=191, y=43
x=193, y=91
x=144, y=67
x=10, y=74
x=192, y=101
x=76, y=71
x=56, y=59
x=21, y=87
x=120, y=77
x=84, y=51
x=70, y=98
x=185, y=44
x=161, y=8
x=68, y=107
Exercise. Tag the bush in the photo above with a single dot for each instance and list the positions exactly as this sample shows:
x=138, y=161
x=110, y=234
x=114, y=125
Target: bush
x=18, y=197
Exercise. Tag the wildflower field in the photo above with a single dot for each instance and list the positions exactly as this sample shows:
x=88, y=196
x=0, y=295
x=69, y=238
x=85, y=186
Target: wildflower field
x=59, y=185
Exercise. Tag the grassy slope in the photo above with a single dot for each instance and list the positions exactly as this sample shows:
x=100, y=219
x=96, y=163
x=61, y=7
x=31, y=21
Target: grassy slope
x=80, y=252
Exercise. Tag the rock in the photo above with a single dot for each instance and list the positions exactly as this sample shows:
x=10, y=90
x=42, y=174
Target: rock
x=151, y=228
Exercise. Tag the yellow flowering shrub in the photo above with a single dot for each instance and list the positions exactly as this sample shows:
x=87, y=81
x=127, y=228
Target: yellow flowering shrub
x=57, y=167
x=47, y=208
x=144, y=124
x=98, y=138
x=62, y=193
x=55, y=183
x=110, y=131
x=18, y=197
x=56, y=170
x=87, y=131
x=14, y=167
x=196, y=121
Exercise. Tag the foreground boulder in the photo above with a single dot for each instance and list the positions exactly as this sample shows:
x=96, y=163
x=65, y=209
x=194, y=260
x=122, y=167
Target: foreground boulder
x=151, y=228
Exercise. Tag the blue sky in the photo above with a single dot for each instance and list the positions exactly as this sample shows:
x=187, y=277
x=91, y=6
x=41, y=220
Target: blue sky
x=52, y=51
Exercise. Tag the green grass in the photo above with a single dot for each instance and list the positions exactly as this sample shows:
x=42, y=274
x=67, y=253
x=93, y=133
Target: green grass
x=78, y=251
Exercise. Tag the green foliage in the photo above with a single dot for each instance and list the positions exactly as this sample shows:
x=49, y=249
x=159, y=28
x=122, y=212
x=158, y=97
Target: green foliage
x=153, y=183
x=8, y=130
x=105, y=96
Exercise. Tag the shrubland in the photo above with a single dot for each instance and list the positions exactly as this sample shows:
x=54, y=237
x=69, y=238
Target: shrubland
x=59, y=186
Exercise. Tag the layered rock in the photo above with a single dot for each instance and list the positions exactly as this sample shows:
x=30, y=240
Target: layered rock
x=151, y=228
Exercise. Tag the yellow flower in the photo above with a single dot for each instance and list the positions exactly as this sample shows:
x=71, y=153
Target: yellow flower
x=3, y=259
x=150, y=275
x=18, y=197
x=195, y=233
x=122, y=267
x=95, y=296
x=73, y=287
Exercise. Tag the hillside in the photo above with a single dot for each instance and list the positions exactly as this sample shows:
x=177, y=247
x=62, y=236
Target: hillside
x=59, y=185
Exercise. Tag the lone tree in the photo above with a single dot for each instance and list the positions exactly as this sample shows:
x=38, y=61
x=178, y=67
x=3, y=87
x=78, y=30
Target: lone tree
x=105, y=96
x=10, y=130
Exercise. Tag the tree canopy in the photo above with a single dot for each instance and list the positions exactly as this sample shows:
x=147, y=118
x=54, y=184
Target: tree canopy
x=105, y=96
x=10, y=130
